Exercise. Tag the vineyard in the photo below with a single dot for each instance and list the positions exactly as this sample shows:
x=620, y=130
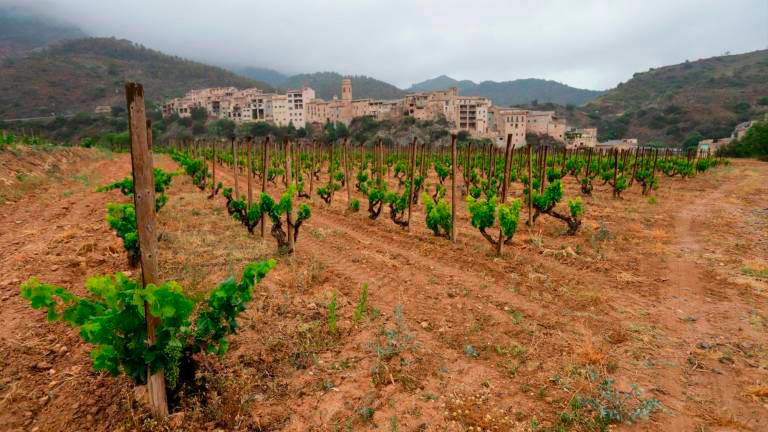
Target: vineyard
x=282, y=283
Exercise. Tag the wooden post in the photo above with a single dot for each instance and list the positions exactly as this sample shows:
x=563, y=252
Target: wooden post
x=378, y=159
x=144, y=203
x=412, y=189
x=634, y=166
x=264, y=164
x=346, y=172
x=530, y=185
x=213, y=176
x=234, y=167
x=312, y=152
x=453, y=188
x=543, y=170
x=504, y=191
x=249, y=145
x=289, y=213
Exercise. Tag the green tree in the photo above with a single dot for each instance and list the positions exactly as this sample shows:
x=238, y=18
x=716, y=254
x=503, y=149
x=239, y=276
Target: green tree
x=753, y=144
x=341, y=130
x=692, y=141
x=199, y=114
x=117, y=110
x=223, y=128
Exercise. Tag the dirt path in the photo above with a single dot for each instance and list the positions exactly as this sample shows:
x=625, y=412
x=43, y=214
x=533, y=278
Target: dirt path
x=704, y=317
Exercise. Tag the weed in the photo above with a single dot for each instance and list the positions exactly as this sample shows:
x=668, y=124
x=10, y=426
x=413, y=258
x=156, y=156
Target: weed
x=605, y=407
x=84, y=179
x=471, y=352
x=537, y=241
x=652, y=200
x=391, y=365
x=603, y=234
x=361, y=310
x=393, y=424
x=366, y=414
x=756, y=273
x=332, y=317
x=327, y=385
x=517, y=316
x=317, y=234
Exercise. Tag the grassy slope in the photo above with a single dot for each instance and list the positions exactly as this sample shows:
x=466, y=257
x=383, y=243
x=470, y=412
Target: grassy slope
x=709, y=96
x=76, y=76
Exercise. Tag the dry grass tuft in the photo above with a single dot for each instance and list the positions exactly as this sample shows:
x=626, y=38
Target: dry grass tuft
x=591, y=354
x=758, y=391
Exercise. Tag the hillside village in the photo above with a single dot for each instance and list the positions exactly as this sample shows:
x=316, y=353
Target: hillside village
x=473, y=114
x=299, y=107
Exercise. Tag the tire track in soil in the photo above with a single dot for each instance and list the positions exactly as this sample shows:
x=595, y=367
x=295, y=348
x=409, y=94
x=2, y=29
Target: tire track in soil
x=689, y=295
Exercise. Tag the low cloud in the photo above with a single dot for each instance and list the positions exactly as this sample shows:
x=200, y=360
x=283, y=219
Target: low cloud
x=589, y=44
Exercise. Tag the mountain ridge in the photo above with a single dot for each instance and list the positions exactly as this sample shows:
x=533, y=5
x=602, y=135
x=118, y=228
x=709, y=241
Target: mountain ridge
x=512, y=92
x=672, y=103
x=73, y=76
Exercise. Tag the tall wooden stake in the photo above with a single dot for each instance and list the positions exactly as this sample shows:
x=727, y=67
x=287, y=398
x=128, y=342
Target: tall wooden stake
x=453, y=188
x=234, y=167
x=530, y=185
x=264, y=165
x=348, y=179
x=504, y=190
x=289, y=213
x=249, y=145
x=144, y=203
x=412, y=189
x=213, y=162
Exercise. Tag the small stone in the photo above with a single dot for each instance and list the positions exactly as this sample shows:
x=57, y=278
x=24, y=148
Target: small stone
x=54, y=268
x=63, y=350
x=43, y=365
x=424, y=325
x=44, y=400
x=94, y=410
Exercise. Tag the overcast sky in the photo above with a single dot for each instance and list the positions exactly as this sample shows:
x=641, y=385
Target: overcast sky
x=585, y=43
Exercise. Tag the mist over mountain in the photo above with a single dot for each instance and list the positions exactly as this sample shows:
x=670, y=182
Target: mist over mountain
x=22, y=31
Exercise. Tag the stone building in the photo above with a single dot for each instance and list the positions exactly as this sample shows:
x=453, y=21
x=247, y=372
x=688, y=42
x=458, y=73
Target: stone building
x=577, y=138
x=619, y=144
x=508, y=121
x=711, y=146
x=546, y=123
